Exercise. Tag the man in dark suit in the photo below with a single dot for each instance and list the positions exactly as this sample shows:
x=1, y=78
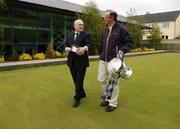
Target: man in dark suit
x=77, y=45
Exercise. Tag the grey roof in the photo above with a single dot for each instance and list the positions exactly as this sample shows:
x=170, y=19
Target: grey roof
x=158, y=17
x=65, y=5
x=59, y=4
x=122, y=18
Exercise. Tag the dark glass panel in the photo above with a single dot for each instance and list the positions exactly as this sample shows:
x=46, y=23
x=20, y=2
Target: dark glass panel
x=24, y=18
x=42, y=48
x=24, y=36
x=43, y=37
x=44, y=21
x=5, y=16
x=8, y=35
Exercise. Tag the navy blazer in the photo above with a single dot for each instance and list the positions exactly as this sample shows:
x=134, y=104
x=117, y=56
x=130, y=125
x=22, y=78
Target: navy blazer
x=82, y=40
x=120, y=39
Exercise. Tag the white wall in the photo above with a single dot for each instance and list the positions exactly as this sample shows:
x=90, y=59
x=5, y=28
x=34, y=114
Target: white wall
x=177, y=27
x=170, y=31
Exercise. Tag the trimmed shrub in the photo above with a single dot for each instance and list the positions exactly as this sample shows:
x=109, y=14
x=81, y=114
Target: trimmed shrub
x=58, y=54
x=39, y=56
x=142, y=50
x=2, y=60
x=65, y=54
x=148, y=49
x=25, y=57
x=50, y=53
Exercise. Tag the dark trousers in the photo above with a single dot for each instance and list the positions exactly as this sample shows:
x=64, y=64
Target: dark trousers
x=78, y=75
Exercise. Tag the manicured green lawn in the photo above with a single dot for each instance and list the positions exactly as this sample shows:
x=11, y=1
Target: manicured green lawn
x=41, y=98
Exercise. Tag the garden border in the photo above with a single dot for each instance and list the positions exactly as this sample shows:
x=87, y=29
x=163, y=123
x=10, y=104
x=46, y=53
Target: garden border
x=60, y=61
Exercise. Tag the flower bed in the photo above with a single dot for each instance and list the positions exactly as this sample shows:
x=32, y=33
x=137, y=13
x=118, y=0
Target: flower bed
x=142, y=49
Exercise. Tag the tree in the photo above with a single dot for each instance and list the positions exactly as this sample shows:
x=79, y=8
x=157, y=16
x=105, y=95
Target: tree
x=156, y=35
x=132, y=12
x=93, y=24
x=135, y=27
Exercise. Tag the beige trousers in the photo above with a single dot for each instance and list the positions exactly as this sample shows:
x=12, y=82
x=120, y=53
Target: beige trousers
x=103, y=79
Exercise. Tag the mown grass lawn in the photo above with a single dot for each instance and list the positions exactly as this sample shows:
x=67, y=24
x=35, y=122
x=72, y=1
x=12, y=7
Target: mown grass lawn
x=41, y=98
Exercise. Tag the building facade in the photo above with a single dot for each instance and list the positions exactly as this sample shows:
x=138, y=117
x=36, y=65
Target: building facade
x=168, y=22
x=29, y=25
x=28, y=28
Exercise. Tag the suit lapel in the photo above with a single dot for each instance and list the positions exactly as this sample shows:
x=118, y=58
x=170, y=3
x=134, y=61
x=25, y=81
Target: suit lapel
x=73, y=34
x=71, y=37
x=80, y=38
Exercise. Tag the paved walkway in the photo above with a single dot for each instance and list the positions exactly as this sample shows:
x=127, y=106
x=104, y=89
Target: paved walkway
x=49, y=62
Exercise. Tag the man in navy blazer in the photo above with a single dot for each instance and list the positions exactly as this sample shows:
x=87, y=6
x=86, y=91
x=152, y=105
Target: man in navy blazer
x=116, y=41
x=77, y=46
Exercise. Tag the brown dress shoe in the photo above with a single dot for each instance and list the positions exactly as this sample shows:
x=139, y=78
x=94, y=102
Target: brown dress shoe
x=104, y=103
x=110, y=109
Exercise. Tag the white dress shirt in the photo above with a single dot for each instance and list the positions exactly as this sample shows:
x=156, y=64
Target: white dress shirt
x=75, y=35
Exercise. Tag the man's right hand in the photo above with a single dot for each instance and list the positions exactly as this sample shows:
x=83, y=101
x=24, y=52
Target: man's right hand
x=120, y=55
x=67, y=49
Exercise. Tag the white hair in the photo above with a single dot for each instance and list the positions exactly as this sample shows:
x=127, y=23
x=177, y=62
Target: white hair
x=78, y=21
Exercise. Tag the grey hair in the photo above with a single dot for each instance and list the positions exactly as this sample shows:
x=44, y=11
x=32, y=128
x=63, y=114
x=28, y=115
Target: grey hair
x=112, y=13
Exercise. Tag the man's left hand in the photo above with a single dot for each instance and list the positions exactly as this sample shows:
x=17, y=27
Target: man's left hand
x=81, y=51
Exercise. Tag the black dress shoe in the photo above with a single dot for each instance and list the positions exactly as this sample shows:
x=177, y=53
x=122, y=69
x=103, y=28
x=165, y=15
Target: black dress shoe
x=76, y=103
x=104, y=103
x=110, y=109
x=83, y=96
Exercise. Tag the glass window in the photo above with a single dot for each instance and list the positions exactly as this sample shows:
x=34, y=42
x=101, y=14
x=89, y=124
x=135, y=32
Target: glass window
x=44, y=28
x=165, y=25
x=149, y=25
x=24, y=36
x=149, y=37
x=7, y=35
x=5, y=16
x=24, y=18
x=24, y=26
x=58, y=27
x=43, y=37
x=42, y=48
x=44, y=21
x=5, y=19
x=69, y=24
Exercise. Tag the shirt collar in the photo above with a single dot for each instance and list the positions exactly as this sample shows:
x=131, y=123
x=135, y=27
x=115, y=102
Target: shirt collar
x=110, y=27
x=77, y=32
